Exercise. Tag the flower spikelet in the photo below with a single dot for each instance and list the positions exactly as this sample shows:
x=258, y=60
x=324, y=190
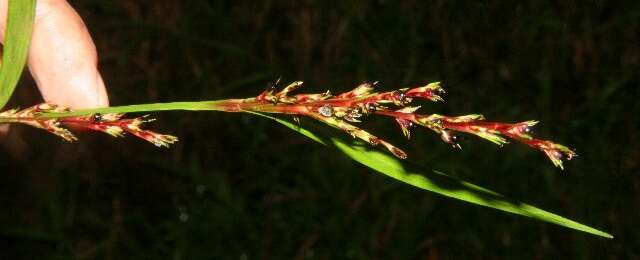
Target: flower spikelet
x=112, y=124
x=353, y=106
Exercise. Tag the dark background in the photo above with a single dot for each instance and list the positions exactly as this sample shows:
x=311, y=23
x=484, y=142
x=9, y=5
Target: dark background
x=241, y=187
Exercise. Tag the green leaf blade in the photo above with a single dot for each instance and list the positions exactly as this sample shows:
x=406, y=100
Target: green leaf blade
x=441, y=183
x=20, y=17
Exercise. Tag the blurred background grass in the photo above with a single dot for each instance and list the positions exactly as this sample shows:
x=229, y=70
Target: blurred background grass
x=242, y=187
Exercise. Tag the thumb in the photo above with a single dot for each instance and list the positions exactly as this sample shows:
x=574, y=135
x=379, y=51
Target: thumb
x=62, y=56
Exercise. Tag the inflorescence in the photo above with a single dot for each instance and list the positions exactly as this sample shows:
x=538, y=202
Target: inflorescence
x=342, y=110
x=112, y=124
x=339, y=111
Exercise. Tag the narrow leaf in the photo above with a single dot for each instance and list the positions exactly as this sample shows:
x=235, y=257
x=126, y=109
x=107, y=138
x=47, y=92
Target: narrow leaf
x=16, y=45
x=441, y=183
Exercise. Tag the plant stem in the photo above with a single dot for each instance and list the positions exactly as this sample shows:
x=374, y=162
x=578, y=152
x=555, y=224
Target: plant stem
x=216, y=105
x=225, y=105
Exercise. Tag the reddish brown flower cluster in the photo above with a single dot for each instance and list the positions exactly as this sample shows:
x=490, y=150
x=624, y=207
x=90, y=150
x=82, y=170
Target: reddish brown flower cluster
x=112, y=124
x=341, y=110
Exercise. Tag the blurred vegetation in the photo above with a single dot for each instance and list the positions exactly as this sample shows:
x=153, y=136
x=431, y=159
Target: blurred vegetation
x=243, y=187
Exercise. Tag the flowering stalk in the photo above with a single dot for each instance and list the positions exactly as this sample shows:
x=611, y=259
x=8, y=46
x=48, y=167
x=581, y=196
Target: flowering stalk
x=112, y=124
x=339, y=111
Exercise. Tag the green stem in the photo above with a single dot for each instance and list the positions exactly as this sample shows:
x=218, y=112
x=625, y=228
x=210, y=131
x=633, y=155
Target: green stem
x=216, y=105
x=225, y=105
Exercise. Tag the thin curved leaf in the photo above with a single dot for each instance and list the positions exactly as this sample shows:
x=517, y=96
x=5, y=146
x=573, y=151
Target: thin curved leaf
x=438, y=182
x=16, y=45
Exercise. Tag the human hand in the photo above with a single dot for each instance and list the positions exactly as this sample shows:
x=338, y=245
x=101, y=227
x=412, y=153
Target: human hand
x=62, y=56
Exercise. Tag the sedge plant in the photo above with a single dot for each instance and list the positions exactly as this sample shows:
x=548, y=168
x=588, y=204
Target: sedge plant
x=342, y=111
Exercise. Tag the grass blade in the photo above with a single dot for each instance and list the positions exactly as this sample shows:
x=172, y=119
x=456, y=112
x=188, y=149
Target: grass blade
x=16, y=45
x=438, y=182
